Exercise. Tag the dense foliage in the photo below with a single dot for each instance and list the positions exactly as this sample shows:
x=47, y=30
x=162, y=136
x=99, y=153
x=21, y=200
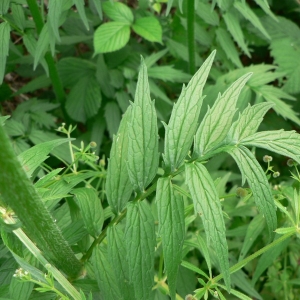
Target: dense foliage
x=104, y=198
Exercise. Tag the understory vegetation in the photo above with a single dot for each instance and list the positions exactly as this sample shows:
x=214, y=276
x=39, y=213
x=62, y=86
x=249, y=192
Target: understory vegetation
x=149, y=149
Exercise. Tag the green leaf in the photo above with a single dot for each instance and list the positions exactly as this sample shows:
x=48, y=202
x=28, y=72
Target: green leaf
x=248, y=14
x=116, y=255
x=19, y=289
x=183, y=121
x=228, y=46
x=233, y=26
x=256, y=177
x=154, y=57
x=236, y=293
x=80, y=8
x=211, y=132
x=254, y=229
x=91, y=210
x=105, y=275
x=42, y=45
x=204, y=250
x=286, y=143
x=33, y=157
x=286, y=54
x=248, y=121
x=18, y=15
x=112, y=116
x=170, y=209
x=168, y=73
x=285, y=230
x=84, y=99
x=149, y=28
x=208, y=206
x=98, y=6
x=118, y=12
x=268, y=258
x=205, y=12
x=4, y=6
x=4, y=47
x=140, y=244
x=118, y=185
x=54, y=12
x=266, y=8
x=111, y=36
x=143, y=136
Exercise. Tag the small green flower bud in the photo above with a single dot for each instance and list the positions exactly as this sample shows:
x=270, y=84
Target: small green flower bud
x=291, y=163
x=102, y=162
x=240, y=192
x=93, y=144
x=267, y=158
x=276, y=174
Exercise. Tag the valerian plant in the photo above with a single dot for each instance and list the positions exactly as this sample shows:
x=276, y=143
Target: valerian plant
x=121, y=248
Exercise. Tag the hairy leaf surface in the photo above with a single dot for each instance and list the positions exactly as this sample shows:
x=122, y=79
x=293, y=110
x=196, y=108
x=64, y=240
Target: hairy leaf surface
x=143, y=136
x=184, y=118
x=283, y=142
x=217, y=121
x=252, y=171
x=170, y=210
x=208, y=206
x=118, y=185
x=140, y=244
x=248, y=121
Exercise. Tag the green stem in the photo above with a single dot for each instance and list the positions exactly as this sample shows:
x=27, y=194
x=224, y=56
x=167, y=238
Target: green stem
x=53, y=73
x=245, y=261
x=191, y=34
x=37, y=253
x=18, y=192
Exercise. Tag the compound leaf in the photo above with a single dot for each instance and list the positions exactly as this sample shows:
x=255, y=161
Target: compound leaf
x=184, y=118
x=286, y=143
x=143, y=136
x=256, y=177
x=111, y=36
x=217, y=121
x=149, y=28
x=248, y=121
x=208, y=206
x=170, y=210
x=118, y=185
x=118, y=12
x=140, y=244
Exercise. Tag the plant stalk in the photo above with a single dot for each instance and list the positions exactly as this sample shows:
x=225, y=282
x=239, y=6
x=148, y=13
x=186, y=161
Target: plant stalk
x=18, y=192
x=191, y=34
x=53, y=73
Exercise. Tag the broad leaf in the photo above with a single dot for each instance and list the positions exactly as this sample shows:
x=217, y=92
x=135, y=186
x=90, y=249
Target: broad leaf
x=286, y=143
x=184, y=118
x=149, y=28
x=248, y=121
x=170, y=211
x=91, y=210
x=104, y=274
x=33, y=157
x=118, y=12
x=140, y=244
x=217, y=121
x=116, y=255
x=18, y=15
x=4, y=47
x=111, y=36
x=118, y=185
x=248, y=14
x=208, y=206
x=84, y=99
x=112, y=116
x=205, y=12
x=42, y=45
x=143, y=137
x=80, y=7
x=256, y=177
